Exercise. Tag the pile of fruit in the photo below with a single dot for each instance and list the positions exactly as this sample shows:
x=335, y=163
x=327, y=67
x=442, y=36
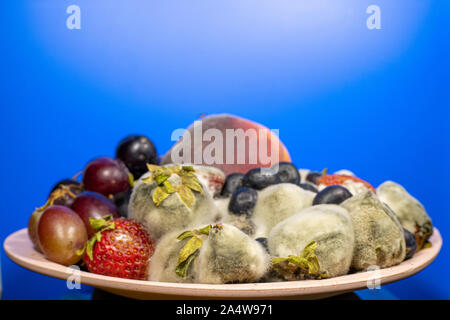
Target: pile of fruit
x=137, y=217
x=86, y=222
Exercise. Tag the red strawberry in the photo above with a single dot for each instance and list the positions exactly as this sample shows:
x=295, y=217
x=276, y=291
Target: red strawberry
x=333, y=179
x=121, y=248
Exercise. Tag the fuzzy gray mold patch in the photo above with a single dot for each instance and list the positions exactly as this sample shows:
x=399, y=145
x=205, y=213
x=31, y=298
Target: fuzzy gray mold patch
x=230, y=256
x=172, y=213
x=278, y=202
x=410, y=212
x=327, y=224
x=379, y=239
x=165, y=259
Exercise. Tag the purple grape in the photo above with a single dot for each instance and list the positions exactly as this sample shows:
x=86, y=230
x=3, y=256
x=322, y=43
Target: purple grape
x=106, y=176
x=93, y=205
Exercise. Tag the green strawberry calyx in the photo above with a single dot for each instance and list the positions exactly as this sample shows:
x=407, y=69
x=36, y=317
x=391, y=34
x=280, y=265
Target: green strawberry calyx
x=190, y=250
x=102, y=224
x=306, y=263
x=189, y=183
x=131, y=180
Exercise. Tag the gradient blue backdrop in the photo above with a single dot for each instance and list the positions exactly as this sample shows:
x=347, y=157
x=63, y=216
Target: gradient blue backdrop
x=372, y=101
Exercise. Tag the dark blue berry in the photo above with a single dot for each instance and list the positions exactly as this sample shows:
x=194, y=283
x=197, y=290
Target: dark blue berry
x=332, y=195
x=288, y=173
x=309, y=187
x=260, y=178
x=313, y=176
x=263, y=242
x=243, y=201
x=232, y=183
x=135, y=152
x=121, y=200
x=411, y=243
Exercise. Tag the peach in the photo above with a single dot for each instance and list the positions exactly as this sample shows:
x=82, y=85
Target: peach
x=229, y=143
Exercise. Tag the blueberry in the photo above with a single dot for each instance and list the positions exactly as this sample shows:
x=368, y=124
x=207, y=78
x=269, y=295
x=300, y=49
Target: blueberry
x=263, y=242
x=121, y=201
x=232, y=183
x=288, y=173
x=259, y=179
x=243, y=201
x=411, y=243
x=136, y=151
x=309, y=187
x=313, y=176
x=332, y=194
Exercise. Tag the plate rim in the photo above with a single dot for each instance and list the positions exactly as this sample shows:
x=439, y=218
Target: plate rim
x=349, y=282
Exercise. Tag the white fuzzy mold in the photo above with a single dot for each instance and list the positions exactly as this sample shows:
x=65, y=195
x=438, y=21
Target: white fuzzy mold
x=329, y=226
x=172, y=213
x=230, y=256
x=410, y=212
x=278, y=202
x=379, y=239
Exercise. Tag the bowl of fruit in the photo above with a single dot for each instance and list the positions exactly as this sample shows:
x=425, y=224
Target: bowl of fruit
x=223, y=220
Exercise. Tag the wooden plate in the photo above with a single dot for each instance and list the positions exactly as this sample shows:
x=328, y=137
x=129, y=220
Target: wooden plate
x=19, y=248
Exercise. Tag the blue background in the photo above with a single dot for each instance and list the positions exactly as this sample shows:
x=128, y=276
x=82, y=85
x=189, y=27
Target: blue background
x=343, y=96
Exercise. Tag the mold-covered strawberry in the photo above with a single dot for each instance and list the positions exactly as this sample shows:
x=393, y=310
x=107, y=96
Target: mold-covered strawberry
x=221, y=205
x=379, y=238
x=230, y=256
x=121, y=248
x=171, y=198
x=278, y=202
x=243, y=223
x=174, y=254
x=209, y=254
x=212, y=178
x=315, y=243
x=410, y=212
